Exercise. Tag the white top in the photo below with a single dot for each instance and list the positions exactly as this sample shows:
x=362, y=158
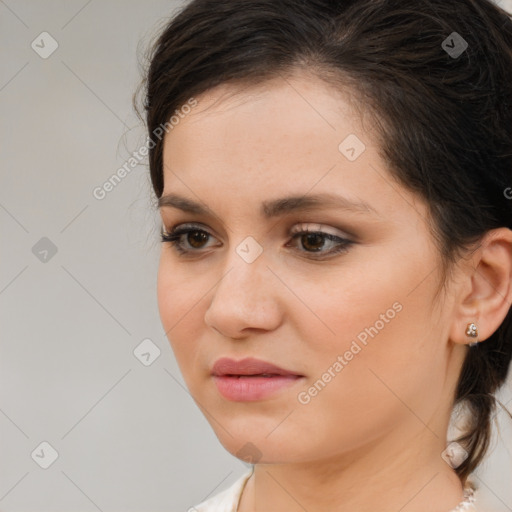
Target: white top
x=229, y=499
x=225, y=501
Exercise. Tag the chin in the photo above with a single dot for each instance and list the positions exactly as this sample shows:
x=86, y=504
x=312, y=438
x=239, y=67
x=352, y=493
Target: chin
x=254, y=445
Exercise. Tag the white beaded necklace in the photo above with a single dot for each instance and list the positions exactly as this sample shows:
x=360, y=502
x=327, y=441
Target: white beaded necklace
x=467, y=502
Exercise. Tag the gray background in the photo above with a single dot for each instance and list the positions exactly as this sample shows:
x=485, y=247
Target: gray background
x=128, y=436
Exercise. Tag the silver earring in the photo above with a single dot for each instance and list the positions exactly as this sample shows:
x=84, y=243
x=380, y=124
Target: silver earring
x=472, y=331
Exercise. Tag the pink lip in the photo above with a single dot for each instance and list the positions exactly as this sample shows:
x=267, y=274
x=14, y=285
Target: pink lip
x=247, y=366
x=244, y=380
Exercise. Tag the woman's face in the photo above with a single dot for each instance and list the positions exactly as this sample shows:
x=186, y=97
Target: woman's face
x=360, y=327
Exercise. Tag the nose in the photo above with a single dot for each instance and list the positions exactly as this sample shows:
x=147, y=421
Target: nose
x=247, y=297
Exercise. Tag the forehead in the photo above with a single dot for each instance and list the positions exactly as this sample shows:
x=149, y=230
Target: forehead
x=277, y=101
x=280, y=138
x=281, y=123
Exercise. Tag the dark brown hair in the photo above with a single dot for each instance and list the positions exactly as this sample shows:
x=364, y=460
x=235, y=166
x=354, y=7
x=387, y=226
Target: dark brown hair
x=444, y=120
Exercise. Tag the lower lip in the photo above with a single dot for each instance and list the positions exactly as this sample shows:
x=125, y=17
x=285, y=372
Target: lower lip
x=249, y=389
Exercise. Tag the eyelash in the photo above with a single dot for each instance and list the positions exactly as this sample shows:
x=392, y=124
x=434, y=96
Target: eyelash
x=173, y=237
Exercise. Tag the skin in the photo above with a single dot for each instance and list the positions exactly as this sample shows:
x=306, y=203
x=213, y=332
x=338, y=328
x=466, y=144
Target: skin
x=381, y=423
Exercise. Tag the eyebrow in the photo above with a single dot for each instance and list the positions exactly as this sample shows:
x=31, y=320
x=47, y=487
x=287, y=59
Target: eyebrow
x=277, y=207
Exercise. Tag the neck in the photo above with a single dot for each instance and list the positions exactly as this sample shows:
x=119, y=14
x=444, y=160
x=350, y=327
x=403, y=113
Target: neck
x=401, y=471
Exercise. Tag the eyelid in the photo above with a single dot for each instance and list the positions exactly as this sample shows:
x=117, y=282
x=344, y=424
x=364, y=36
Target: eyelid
x=314, y=227
x=298, y=226
x=187, y=226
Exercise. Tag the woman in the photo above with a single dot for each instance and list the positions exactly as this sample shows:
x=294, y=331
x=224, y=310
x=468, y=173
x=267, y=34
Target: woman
x=334, y=182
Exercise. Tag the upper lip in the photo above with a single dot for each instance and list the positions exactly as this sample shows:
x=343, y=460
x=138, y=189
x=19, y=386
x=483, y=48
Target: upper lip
x=247, y=366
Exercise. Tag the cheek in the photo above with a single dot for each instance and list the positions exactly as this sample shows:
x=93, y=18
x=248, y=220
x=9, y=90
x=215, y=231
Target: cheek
x=361, y=397
x=179, y=308
x=178, y=289
x=377, y=340
x=380, y=303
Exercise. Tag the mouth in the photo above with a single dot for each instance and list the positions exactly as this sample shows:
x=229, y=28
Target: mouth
x=251, y=379
x=254, y=376
x=249, y=367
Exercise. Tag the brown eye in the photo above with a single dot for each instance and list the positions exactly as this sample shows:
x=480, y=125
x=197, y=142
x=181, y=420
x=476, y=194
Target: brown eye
x=313, y=241
x=317, y=244
x=196, y=238
x=188, y=240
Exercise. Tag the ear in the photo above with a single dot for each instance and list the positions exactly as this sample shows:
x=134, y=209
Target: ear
x=486, y=288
